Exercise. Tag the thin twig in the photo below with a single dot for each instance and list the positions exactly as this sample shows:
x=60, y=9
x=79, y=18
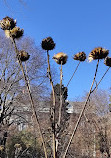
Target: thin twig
x=100, y=80
x=53, y=107
x=71, y=78
x=82, y=112
x=31, y=99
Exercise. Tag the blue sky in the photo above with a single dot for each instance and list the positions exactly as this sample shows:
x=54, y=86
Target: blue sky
x=75, y=25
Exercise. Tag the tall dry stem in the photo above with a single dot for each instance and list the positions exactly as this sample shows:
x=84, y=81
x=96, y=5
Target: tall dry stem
x=31, y=99
x=61, y=96
x=81, y=114
x=52, y=109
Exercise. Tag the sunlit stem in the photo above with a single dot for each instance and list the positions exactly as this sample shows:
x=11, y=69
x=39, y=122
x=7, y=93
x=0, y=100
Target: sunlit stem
x=52, y=108
x=61, y=96
x=30, y=96
x=100, y=80
x=81, y=114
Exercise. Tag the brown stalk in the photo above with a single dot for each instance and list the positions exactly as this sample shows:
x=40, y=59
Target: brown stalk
x=52, y=108
x=60, y=107
x=30, y=96
x=81, y=114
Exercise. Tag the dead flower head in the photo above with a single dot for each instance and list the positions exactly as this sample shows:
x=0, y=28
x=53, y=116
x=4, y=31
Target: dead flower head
x=16, y=32
x=17, y=145
x=7, y=23
x=81, y=56
x=48, y=43
x=1, y=147
x=60, y=58
x=23, y=56
x=107, y=61
x=98, y=53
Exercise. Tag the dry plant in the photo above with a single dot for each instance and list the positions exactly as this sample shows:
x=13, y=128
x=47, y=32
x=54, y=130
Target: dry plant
x=61, y=58
x=96, y=54
x=48, y=44
x=13, y=32
x=9, y=25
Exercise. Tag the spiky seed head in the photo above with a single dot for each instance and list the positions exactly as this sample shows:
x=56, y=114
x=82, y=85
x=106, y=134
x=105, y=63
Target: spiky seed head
x=16, y=32
x=23, y=56
x=60, y=58
x=48, y=43
x=81, y=56
x=7, y=23
x=98, y=53
x=107, y=61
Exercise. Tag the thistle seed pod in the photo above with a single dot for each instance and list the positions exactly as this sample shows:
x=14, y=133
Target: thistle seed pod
x=81, y=56
x=98, y=53
x=48, y=44
x=60, y=58
x=7, y=23
x=16, y=32
x=107, y=61
x=23, y=56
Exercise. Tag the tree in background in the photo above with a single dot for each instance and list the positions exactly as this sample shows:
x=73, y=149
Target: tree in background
x=13, y=93
x=61, y=130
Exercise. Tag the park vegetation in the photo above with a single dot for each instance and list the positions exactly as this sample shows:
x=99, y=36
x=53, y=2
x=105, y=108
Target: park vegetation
x=25, y=131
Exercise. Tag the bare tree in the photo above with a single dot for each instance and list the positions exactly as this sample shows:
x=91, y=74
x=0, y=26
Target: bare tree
x=12, y=88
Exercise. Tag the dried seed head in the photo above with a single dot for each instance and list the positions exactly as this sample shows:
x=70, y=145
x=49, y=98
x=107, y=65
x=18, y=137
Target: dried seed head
x=1, y=147
x=98, y=53
x=60, y=58
x=48, y=43
x=7, y=23
x=81, y=56
x=16, y=32
x=17, y=146
x=107, y=61
x=23, y=56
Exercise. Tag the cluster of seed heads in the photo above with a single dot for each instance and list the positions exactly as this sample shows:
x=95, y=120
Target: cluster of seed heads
x=13, y=32
x=9, y=26
x=61, y=58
